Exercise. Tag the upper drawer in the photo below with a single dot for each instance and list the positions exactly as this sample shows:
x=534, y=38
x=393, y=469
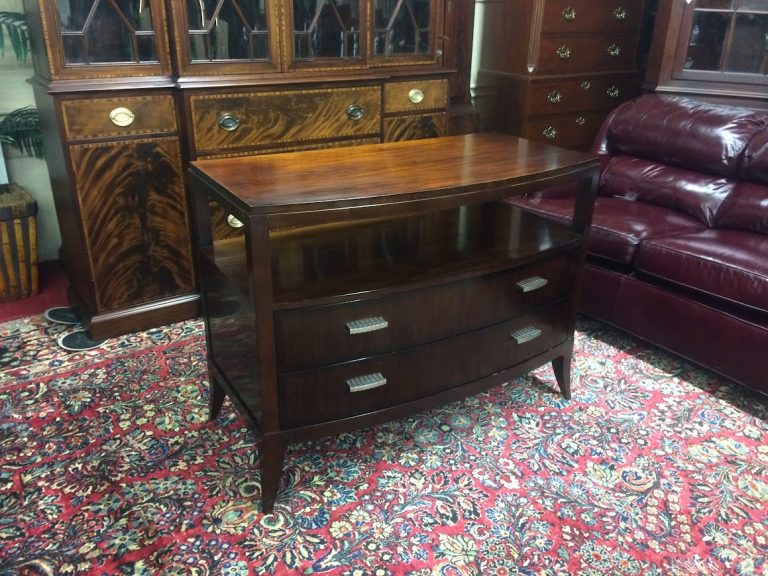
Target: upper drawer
x=126, y=115
x=415, y=95
x=325, y=334
x=562, y=16
x=230, y=121
x=586, y=93
x=573, y=55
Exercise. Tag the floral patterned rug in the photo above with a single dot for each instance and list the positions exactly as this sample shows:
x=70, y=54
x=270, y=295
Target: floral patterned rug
x=108, y=466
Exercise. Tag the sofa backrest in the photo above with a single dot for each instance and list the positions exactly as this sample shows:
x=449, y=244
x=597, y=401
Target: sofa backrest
x=747, y=207
x=676, y=152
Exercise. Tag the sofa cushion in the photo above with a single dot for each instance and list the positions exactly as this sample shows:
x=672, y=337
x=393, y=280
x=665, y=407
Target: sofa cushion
x=728, y=264
x=693, y=193
x=681, y=132
x=746, y=209
x=618, y=225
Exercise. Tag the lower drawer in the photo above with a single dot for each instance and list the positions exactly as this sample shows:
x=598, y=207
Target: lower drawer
x=398, y=128
x=345, y=390
x=577, y=130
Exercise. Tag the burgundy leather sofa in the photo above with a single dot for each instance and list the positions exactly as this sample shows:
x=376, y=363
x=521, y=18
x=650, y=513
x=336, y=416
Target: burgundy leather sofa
x=678, y=251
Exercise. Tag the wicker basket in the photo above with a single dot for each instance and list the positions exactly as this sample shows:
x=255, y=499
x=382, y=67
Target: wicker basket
x=18, y=244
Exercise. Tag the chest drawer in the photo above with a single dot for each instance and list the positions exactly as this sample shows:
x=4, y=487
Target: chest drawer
x=222, y=122
x=576, y=16
x=577, y=130
x=326, y=394
x=325, y=334
x=589, y=53
x=123, y=116
x=573, y=95
x=415, y=95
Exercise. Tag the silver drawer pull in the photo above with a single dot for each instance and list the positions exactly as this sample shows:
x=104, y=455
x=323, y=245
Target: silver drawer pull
x=228, y=122
x=525, y=334
x=367, y=325
x=531, y=284
x=360, y=383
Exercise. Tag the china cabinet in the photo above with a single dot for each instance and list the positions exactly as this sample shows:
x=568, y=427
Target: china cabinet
x=713, y=49
x=130, y=91
x=557, y=67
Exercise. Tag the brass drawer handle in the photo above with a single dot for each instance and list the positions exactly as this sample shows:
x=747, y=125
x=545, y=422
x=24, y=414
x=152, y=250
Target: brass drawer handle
x=415, y=96
x=367, y=325
x=564, y=52
x=569, y=14
x=549, y=133
x=525, y=334
x=234, y=222
x=228, y=122
x=614, y=49
x=122, y=116
x=581, y=120
x=360, y=383
x=531, y=284
x=613, y=92
x=555, y=96
x=620, y=13
x=355, y=112
x=586, y=85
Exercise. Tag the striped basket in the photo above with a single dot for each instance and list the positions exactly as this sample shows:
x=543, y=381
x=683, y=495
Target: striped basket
x=18, y=243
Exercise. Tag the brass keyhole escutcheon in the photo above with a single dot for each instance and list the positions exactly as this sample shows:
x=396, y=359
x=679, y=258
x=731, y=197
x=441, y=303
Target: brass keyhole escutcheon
x=416, y=96
x=355, y=112
x=122, y=116
x=228, y=122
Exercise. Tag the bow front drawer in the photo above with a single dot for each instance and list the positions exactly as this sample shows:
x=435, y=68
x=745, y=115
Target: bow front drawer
x=324, y=334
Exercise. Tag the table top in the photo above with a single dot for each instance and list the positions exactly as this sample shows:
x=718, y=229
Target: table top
x=396, y=172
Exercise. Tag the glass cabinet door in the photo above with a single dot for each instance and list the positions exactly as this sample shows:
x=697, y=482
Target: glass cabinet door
x=725, y=37
x=326, y=33
x=405, y=29
x=225, y=36
x=107, y=38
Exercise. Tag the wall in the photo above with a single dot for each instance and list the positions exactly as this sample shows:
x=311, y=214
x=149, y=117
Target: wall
x=29, y=173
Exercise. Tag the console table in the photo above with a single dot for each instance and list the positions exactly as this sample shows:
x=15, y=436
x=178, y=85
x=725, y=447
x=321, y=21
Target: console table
x=362, y=284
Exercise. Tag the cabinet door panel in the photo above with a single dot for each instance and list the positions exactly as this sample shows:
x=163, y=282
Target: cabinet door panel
x=283, y=117
x=414, y=127
x=133, y=206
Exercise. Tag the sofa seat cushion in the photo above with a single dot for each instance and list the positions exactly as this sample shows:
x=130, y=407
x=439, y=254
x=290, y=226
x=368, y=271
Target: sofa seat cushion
x=727, y=264
x=618, y=225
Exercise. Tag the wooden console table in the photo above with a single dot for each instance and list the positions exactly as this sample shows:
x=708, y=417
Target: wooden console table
x=362, y=284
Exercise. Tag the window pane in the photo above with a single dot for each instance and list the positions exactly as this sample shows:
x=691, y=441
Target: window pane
x=401, y=27
x=756, y=5
x=715, y=4
x=705, y=45
x=750, y=42
x=326, y=28
x=227, y=30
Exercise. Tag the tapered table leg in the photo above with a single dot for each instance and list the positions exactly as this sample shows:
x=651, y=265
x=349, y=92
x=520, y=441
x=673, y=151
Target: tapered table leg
x=216, y=397
x=273, y=453
x=562, y=368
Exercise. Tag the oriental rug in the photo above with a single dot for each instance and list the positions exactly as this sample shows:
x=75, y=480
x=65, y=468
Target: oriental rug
x=108, y=466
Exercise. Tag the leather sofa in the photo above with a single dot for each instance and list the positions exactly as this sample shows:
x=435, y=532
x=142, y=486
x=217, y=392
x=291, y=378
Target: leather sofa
x=678, y=251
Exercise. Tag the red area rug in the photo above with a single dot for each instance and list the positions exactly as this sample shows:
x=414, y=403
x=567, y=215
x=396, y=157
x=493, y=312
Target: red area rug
x=108, y=466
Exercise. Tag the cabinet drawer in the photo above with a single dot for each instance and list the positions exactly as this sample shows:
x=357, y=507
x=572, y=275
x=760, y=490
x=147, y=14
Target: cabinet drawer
x=563, y=16
x=127, y=115
x=415, y=95
x=326, y=394
x=573, y=55
x=223, y=122
x=413, y=127
x=570, y=131
x=588, y=93
x=321, y=335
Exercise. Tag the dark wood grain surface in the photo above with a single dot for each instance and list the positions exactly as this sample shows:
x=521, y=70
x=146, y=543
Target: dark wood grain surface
x=387, y=173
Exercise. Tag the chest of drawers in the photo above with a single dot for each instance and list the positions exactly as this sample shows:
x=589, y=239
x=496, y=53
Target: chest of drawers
x=555, y=68
x=382, y=279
